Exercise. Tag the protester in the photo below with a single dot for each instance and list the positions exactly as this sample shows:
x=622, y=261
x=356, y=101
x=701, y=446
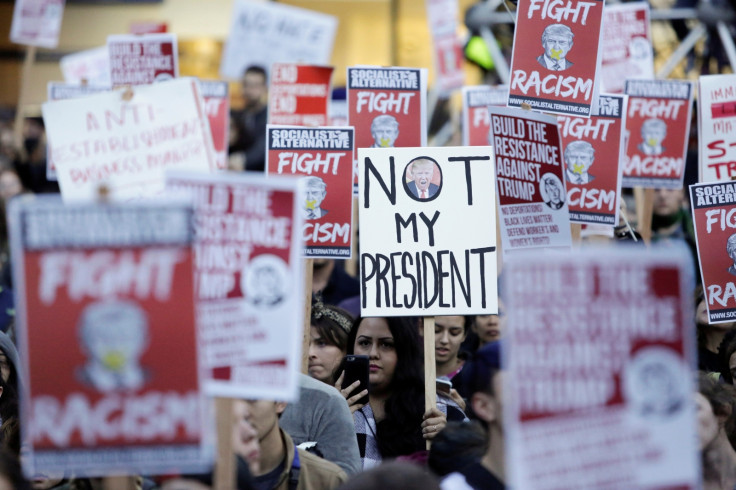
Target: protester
x=9, y=395
x=459, y=445
x=332, y=282
x=282, y=466
x=321, y=418
x=727, y=359
x=328, y=340
x=11, y=476
x=449, y=334
x=251, y=122
x=394, y=422
x=10, y=184
x=714, y=404
x=709, y=335
x=489, y=328
x=395, y=475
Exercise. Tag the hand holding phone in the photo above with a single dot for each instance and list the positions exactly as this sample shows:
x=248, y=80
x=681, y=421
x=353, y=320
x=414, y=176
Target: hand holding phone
x=355, y=369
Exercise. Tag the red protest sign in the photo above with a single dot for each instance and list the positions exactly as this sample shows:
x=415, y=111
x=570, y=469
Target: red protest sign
x=476, y=121
x=628, y=45
x=714, y=208
x=529, y=179
x=248, y=282
x=553, y=65
x=324, y=157
x=138, y=60
x=299, y=94
x=658, y=123
x=612, y=332
x=217, y=109
x=113, y=285
x=592, y=148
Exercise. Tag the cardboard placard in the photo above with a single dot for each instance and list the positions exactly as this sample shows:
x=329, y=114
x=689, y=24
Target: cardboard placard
x=658, y=124
x=37, y=22
x=449, y=59
x=63, y=91
x=263, y=33
x=714, y=207
x=418, y=255
x=217, y=107
x=612, y=332
x=324, y=157
x=142, y=59
x=476, y=120
x=530, y=180
x=113, y=285
x=248, y=283
x=299, y=94
x=128, y=144
x=628, y=40
x=91, y=65
x=716, y=127
x=592, y=150
x=555, y=56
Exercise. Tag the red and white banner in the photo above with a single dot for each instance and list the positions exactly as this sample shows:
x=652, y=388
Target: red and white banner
x=106, y=324
x=127, y=144
x=714, y=217
x=476, y=120
x=138, y=60
x=612, y=332
x=37, y=22
x=299, y=95
x=592, y=150
x=324, y=158
x=249, y=282
x=717, y=127
x=217, y=107
x=658, y=126
x=627, y=41
x=555, y=56
x=530, y=180
x=449, y=59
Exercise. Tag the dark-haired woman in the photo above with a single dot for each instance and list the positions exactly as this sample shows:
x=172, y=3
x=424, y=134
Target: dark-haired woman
x=328, y=340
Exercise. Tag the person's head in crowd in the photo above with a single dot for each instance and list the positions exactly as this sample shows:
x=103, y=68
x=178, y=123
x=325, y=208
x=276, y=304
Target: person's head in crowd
x=714, y=405
x=449, y=334
x=710, y=336
x=458, y=446
x=328, y=340
x=10, y=184
x=394, y=475
x=489, y=328
x=385, y=130
x=255, y=86
x=9, y=394
x=727, y=357
x=245, y=436
x=668, y=202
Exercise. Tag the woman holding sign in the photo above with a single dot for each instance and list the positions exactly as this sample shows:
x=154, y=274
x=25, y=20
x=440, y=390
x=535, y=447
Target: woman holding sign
x=393, y=423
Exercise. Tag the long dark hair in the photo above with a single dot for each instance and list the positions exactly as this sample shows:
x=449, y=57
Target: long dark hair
x=400, y=433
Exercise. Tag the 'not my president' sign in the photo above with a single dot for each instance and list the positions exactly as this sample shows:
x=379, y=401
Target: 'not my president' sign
x=428, y=231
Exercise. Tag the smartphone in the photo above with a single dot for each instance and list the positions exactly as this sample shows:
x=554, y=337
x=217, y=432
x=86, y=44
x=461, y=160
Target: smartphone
x=444, y=386
x=356, y=369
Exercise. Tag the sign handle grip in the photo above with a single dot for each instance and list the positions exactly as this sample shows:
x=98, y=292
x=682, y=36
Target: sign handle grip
x=430, y=368
x=308, y=271
x=225, y=469
x=644, y=209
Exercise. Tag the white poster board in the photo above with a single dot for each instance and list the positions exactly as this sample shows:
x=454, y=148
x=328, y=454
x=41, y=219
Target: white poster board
x=91, y=65
x=263, y=33
x=37, y=22
x=427, y=231
x=716, y=127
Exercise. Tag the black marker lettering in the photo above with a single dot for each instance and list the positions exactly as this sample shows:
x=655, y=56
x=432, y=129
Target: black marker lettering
x=390, y=193
x=468, y=176
x=400, y=223
x=430, y=226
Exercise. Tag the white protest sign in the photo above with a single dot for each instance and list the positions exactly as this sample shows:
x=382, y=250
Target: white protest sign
x=91, y=65
x=600, y=351
x=37, y=22
x=263, y=33
x=427, y=231
x=128, y=144
x=716, y=127
x=249, y=282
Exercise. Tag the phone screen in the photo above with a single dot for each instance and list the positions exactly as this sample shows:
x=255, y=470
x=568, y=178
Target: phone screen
x=356, y=369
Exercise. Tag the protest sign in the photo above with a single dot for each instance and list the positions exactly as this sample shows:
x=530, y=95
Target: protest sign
x=658, y=124
x=612, y=331
x=324, y=156
x=127, y=144
x=263, y=33
x=476, y=120
x=217, y=108
x=427, y=231
x=555, y=56
x=299, y=94
x=91, y=66
x=714, y=210
x=248, y=282
x=627, y=40
x=530, y=179
x=138, y=60
x=716, y=127
x=106, y=323
x=448, y=52
x=63, y=91
x=37, y=22
x=592, y=149
x=388, y=106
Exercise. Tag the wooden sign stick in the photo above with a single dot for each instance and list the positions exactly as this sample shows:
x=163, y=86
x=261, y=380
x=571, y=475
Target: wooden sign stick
x=119, y=483
x=430, y=367
x=309, y=270
x=351, y=264
x=644, y=209
x=225, y=469
x=23, y=96
x=575, y=230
